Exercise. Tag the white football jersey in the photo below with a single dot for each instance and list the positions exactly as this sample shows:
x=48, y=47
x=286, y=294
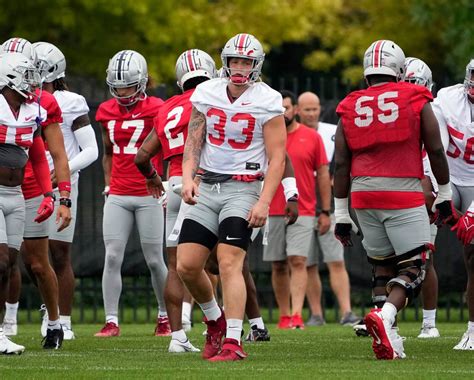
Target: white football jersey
x=328, y=134
x=72, y=106
x=453, y=111
x=18, y=130
x=234, y=137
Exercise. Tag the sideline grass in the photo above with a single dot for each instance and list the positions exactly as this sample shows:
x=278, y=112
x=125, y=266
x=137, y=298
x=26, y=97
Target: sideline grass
x=326, y=352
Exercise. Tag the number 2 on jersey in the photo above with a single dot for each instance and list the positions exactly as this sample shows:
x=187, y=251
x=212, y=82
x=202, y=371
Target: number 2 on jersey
x=172, y=120
x=219, y=127
x=131, y=147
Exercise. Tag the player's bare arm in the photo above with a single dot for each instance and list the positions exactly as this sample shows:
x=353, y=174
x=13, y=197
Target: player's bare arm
x=150, y=147
x=291, y=207
x=324, y=185
x=192, y=155
x=430, y=134
x=342, y=169
x=107, y=157
x=274, y=135
x=55, y=140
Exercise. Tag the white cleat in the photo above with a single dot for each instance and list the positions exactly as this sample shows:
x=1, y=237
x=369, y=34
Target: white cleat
x=7, y=347
x=179, y=347
x=44, y=322
x=10, y=327
x=466, y=342
x=68, y=333
x=428, y=332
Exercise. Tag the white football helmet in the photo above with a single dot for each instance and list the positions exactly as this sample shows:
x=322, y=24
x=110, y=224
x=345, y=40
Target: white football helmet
x=50, y=61
x=418, y=72
x=243, y=45
x=194, y=63
x=127, y=68
x=18, y=73
x=384, y=57
x=19, y=45
x=469, y=79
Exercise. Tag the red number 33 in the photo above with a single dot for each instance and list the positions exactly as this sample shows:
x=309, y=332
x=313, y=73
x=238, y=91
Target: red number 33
x=219, y=127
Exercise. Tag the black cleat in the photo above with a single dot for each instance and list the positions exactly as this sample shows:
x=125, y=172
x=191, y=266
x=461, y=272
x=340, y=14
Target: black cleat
x=53, y=339
x=258, y=335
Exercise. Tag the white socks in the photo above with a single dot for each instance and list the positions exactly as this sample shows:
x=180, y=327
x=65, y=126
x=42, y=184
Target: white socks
x=429, y=318
x=179, y=335
x=186, y=311
x=111, y=318
x=234, y=329
x=162, y=313
x=211, y=310
x=54, y=325
x=389, y=312
x=11, y=311
x=470, y=326
x=65, y=320
x=257, y=322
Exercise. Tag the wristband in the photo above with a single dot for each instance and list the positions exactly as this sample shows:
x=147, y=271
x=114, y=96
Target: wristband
x=444, y=193
x=65, y=202
x=289, y=188
x=64, y=186
x=50, y=194
x=326, y=212
x=152, y=175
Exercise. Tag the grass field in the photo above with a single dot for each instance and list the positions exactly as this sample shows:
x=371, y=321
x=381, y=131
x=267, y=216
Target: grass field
x=327, y=352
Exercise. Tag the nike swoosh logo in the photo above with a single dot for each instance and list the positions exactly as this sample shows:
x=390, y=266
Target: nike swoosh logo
x=377, y=339
x=245, y=103
x=231, y=238
x=135, y=115
x=28, y=118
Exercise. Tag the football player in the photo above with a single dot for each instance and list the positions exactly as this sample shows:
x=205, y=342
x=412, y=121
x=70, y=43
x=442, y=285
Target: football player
x=126, y=121
x=236, y=135
x=169, y=135
x=20, y=137
x=454, y=109
x=378, y=140
x=35, y=245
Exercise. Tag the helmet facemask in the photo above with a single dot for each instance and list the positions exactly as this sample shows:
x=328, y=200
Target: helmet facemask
x=129, y=100
x=25, y=83
x=241, y=79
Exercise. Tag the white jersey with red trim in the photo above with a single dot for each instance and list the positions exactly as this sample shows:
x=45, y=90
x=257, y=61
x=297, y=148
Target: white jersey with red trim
x=455, y=117
x=234, y=136
x=328, y=134
x=72, y=106
x=19, y=129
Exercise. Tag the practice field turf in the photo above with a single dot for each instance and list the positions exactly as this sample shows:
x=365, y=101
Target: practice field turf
x=331, y=351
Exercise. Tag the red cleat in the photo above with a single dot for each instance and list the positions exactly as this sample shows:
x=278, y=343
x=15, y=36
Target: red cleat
x=215, y=332
x=297, y=322
x=285, y=322
x=162, y=327
x=381, y=345
x=231, y=351
x=110, y=329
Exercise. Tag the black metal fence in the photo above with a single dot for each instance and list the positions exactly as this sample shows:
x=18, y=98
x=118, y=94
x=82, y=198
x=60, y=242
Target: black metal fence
x=88, y=249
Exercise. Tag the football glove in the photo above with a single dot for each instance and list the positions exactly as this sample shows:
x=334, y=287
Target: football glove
x=465, y=228
x=45, y=209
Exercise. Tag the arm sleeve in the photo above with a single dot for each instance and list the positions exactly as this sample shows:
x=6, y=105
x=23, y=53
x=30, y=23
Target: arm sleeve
x=40, y=165
x=85, y=136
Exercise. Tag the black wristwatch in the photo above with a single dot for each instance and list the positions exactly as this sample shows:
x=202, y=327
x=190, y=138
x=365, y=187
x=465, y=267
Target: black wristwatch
x=65, y=202
x=294, y=198
x=326, y=212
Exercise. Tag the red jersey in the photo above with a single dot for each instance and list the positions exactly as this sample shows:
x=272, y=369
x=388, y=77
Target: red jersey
x=382, y=129
x=127, y=129
x=30, y=187
x=305, y=148
x=171, y=125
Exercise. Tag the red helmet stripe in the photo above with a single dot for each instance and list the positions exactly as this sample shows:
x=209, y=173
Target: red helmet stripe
x=190, y=61
x=376, y=55
x=14, y=44
x=241, y=41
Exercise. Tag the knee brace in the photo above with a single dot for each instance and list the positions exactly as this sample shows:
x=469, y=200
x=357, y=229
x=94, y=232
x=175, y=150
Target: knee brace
x=379, y=282
x=413, y=286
